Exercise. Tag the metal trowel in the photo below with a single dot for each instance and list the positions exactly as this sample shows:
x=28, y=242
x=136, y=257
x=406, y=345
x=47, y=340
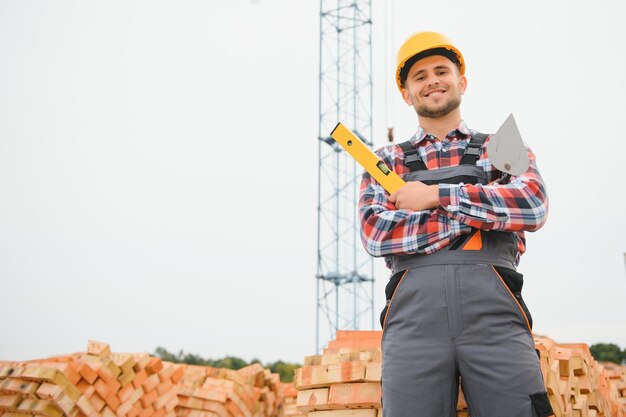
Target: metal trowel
x=506, y=149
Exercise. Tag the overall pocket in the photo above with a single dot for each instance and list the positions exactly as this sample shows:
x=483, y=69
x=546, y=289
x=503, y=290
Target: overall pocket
x=390, y=290
x=514, y=281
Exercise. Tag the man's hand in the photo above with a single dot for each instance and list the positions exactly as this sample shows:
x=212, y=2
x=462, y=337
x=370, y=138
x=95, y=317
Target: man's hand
x=416, y=196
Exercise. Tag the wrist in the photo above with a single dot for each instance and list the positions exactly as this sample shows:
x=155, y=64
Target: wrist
x=435, y=195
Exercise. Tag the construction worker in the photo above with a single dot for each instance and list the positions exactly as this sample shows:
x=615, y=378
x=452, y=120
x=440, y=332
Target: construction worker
x=452, y=237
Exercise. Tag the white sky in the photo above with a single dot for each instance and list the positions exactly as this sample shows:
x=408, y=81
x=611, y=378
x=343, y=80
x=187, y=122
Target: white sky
x=158, y=166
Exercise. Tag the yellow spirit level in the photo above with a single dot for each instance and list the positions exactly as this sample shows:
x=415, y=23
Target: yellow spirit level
x=367, y=159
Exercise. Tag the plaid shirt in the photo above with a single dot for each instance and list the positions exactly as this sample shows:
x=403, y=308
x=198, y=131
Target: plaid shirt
x=506, y=203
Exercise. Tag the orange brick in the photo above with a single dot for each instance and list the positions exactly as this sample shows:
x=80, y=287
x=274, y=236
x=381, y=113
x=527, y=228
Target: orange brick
x=126, y=378
x=320, y=376
x=183, y=412
x=85, y=406
x=45, y=407
x=312, y=399
x=97, y=401
x=87, y=373
x=124, y=408
x=154, y=366
x=356, y=395
x=233, y=409
x=106, y=374
x=172, y=403
x=67, y=368
x=146, y=412
x=186, y=390
x=166, y=373
x=159, y=413
x=364, y=343
x=140, y=377
x=164, y=399
x=85, y=387
x=142, y=360
x=189, y=402
x=9, y=402
x=150, y=383
x=137, y=394
x=107, y=412
x=210, y=394
x=48, y=390
x=240, y=404
x=18, y=386
x=149, y=398
x=179, y=372
x=101, y=387
x=164, y=387
x=114, y=386
x=126, y=392
x=135, y=410
x=65, y=403
x=100, y=349
x=112, y=401
x=124, y=361
x=373, y=371
x=289, y=391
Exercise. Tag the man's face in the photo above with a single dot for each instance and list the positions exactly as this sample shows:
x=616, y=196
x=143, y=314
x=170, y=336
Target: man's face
x=434, y=86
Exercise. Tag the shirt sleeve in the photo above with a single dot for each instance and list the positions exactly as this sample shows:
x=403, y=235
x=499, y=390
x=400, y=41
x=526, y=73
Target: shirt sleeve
x=517, y=203
x=387, y=231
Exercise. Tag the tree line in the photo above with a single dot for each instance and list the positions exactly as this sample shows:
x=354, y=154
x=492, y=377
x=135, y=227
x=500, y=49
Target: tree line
x=608, y=352
x=602, y=352
x=284, y=369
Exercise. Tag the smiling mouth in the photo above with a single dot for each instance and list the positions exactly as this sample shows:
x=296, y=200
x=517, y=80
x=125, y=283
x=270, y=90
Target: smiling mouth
x=434, y=93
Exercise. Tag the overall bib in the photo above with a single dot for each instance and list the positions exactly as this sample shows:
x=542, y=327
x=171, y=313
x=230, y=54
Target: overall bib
x=458, y=314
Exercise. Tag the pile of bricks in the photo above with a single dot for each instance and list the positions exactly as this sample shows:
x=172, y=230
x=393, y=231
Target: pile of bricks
x=345, y=380
x=577, y=384
x=289, y=395
x=99, y=383
x=249, y=392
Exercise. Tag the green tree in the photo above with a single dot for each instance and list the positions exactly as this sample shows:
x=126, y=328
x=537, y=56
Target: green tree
x=283, y=369
x=608, y=352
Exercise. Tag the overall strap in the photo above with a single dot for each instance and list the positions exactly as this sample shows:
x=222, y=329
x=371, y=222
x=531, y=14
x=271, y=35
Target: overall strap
x=413, y=161
x=412, y=157
x=472, y=152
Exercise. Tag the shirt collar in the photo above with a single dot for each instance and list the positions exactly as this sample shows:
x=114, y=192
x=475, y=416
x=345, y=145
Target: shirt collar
x=461, y=131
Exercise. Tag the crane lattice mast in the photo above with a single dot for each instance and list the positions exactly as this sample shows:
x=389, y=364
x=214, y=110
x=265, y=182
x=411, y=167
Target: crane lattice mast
x=345, y=272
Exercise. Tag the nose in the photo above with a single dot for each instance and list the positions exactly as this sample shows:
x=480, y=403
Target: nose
x=432, y=79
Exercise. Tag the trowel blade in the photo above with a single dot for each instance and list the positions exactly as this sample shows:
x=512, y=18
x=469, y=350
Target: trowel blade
x=506, y=149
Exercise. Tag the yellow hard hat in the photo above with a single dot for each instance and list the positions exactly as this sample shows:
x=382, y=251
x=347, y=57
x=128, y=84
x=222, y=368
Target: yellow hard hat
x=422, y=44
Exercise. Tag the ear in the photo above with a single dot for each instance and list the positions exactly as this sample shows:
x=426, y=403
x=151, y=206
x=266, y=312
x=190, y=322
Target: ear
x=406, y=96
x=463, y=83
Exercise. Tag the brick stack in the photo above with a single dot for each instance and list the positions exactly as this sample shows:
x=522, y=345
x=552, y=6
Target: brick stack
x=95, y=383
x=289, y=395
x=100, y=383
x=345, y=380
x=579, y=386
x=249, y=392
x=616, y=375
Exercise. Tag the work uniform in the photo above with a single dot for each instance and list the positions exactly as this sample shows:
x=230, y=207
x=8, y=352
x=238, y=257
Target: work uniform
x=454, y=306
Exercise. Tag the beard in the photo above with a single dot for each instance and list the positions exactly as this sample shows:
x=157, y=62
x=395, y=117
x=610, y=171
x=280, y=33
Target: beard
x=452, y=104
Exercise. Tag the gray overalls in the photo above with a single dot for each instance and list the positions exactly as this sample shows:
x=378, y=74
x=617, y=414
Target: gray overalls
x=459, y=313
